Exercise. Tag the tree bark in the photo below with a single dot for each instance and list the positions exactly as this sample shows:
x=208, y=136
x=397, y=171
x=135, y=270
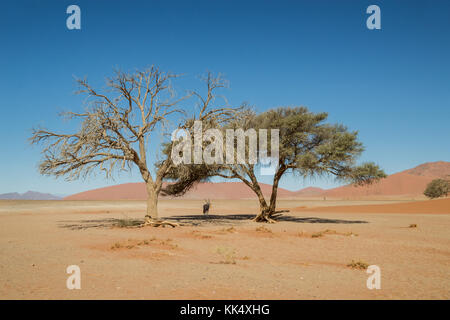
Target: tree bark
x=152, y=202
x=273, y=196
x=267, y=211
x=264, y=211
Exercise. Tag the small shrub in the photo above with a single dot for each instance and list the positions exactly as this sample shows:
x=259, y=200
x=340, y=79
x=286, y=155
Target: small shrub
x=413, y=225
x=437, y=188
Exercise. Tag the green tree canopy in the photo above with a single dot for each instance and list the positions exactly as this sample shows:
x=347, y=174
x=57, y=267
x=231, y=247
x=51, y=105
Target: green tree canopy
x=437, y=188
x=308, y=147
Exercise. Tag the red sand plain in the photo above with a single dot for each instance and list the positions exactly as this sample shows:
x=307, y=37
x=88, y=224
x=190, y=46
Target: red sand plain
x=436, y=206
x=225, y=256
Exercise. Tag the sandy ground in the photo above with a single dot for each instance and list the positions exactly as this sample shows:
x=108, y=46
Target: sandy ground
x=428, y=206
x=223, y=256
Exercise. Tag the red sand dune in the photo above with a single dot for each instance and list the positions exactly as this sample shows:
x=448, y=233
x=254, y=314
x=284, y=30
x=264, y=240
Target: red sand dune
x=309, y=192
x=207, y=190
x=410, y=182
x=396, y=184
x=126, y=191
x=438, y=169
x=428, y=206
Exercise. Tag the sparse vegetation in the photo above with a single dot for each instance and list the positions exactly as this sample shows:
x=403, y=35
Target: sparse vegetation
x=317, y=234
x=168, y=243
x=413, y=225
x=127, y=223
x=116, y=245
x=198, y=234
x=327, y=231
x=437, y=188
x=228, y=255
x=358, y=265
x=263, y=229
x=131, y=243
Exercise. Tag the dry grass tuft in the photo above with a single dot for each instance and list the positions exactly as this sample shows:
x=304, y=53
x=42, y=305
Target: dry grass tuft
x=168, y=243
x=320, y=234
x=228, y=255
x=199, y=235
x=263, y=229
x=317, y=234
x=413, y=225
x=358, y=265
x=116, y=245
x=133, y=243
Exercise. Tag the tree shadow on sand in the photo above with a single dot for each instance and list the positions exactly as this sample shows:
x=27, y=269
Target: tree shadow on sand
x=194, y=220
x=99, y=223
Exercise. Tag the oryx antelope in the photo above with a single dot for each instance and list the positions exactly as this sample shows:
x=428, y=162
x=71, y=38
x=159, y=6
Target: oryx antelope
x=206, y=206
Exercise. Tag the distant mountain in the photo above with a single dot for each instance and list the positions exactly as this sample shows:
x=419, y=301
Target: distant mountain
x=410, y=183
x=29, y=195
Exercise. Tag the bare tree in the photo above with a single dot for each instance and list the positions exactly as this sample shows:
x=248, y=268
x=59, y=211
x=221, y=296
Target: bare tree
x=116, y=128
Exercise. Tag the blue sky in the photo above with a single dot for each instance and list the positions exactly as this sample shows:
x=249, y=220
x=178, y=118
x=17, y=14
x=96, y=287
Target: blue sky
x=393, y=84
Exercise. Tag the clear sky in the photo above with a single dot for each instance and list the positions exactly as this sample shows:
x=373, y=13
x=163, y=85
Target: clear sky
x=393, y=84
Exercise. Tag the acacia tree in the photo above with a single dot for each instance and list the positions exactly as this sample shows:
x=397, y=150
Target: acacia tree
x=307, y=147
x=437, y=188
x=117, y=126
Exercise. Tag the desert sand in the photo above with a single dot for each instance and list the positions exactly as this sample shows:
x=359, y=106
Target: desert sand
x=223, y=256
x=427, y=206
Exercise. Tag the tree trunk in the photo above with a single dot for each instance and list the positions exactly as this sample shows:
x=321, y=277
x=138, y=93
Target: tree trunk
x=152, y=203
x=264, y=210
x=267, y=211
x=273, y=196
